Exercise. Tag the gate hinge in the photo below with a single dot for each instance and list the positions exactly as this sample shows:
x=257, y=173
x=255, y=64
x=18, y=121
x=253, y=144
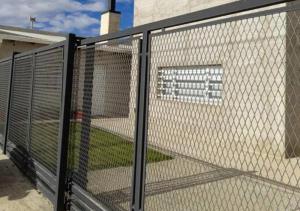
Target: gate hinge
x=68, y=193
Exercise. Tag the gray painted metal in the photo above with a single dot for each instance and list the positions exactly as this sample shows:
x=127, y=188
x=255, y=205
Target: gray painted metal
x=64, y=123
x=141, y=126
x=20, y=150
x=30, y=105
x=8, y=100
x=84, y=199
x=32, y=167
x=42, y=49
x=58, y=185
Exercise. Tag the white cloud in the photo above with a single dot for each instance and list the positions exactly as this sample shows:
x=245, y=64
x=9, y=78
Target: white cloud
x=54, y=15
x=76, y=21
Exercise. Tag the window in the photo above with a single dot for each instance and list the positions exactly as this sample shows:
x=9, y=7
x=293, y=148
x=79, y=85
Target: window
x=201, y=84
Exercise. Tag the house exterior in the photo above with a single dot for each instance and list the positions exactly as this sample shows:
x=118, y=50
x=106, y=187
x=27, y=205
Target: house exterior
x=14, y=39
x=245, y=111
x=256, y=122
x=155, y=10
x=18, y=40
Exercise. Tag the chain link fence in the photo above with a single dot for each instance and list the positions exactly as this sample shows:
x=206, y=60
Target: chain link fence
x=102, y=128
x=168, y=116
x=224, y=103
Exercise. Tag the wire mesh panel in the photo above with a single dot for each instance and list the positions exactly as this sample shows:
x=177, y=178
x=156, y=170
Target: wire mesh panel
x=46, y=106
x=102, y=128
x=225, y=107
x=5, y=74
x=19, y=119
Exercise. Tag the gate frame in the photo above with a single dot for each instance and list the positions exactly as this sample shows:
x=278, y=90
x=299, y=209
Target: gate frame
x=139, y=166
x=65, y=114
x=140, y=141
x=45, y=180
x=12, y=58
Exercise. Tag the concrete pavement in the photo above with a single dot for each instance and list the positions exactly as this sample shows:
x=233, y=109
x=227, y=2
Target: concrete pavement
x=17, y=192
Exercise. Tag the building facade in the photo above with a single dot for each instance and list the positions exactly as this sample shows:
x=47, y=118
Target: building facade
x=14, y=39
x=155, y=10
x=225, y=93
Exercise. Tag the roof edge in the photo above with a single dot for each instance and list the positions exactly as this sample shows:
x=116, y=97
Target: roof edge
x=33, y=31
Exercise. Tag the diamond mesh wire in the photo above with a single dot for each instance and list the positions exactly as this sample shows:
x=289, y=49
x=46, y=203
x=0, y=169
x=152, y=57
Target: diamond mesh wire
x=5, y=71
x=241, y=153
x=102, y=127
x=46, y=106
x=19, y=119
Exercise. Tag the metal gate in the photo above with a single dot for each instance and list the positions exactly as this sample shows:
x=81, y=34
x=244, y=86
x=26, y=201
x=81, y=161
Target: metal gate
x=34, y=130
x=196, y=112
x=5, y=67
x=180, y=116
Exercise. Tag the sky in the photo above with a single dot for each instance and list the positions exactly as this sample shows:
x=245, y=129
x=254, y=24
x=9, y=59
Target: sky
x=81, y=17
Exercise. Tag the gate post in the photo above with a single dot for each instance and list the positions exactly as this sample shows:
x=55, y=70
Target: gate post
x=63, y=139
x=8, y=102
x=141, y=127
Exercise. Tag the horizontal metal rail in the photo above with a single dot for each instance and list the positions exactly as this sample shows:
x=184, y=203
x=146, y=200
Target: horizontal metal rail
x=42, y=49
x=215, y=12
x=295, y=6
x=32, y=165
x=5, y=59
x=85, y=199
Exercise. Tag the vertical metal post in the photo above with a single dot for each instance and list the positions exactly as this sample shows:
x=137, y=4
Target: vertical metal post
x=29, y=126
x=87, y=112
x=141, y=127
x=8, y=102
x=63, y=141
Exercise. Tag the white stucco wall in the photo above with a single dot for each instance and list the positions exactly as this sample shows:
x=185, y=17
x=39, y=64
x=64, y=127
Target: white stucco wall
x=147, y=11
x=8, y=47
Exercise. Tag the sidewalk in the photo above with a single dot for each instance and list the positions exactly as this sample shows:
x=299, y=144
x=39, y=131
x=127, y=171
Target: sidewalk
x=17, y=192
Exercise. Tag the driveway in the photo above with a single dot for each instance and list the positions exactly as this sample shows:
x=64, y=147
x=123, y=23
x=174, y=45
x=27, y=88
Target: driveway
x=17, y=192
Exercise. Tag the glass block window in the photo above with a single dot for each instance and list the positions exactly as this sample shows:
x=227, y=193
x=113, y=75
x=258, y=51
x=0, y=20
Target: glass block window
x=199, y=84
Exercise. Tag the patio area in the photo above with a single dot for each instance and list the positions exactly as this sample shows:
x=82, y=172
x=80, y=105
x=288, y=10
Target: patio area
x=181, y=180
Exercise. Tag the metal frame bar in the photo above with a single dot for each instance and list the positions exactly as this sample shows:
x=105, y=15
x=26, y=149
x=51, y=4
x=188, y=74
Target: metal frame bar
x=293, y=7
x=32, y=165
x=29, y=126
x=45, y=190
x=41, y=177
x=214, y=12
x=41, y=49
x=9, y=101
x=139, y=170
x=85, y=199
x=6, y=59
x=63, y=140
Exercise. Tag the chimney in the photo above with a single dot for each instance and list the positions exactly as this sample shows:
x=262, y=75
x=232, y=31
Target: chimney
x=110, y=19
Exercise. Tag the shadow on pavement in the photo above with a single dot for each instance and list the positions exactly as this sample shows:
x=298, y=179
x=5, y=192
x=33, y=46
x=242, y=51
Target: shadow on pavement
x=13, y=184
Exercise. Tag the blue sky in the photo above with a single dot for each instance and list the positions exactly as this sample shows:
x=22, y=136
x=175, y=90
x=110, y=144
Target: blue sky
x=126, y=8
x=81, y=17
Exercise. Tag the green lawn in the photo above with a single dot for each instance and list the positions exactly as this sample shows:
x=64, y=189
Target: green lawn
x=107, y=150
